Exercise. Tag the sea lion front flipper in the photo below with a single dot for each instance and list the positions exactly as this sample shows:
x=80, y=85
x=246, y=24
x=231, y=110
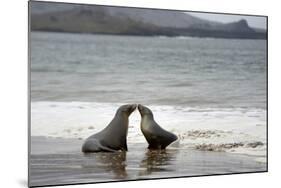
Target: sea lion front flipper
x=154, y=142
x=159, y=142
x=94, y=145
x=106, y=147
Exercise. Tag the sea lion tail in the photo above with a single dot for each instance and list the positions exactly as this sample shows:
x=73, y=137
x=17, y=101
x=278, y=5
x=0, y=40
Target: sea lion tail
x=175, y=144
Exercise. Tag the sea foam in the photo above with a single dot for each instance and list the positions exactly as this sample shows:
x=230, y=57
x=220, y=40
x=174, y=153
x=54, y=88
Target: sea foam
x=236, y=130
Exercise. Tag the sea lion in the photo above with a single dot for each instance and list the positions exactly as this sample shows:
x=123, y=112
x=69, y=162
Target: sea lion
x=114, y=136
x=157, y=137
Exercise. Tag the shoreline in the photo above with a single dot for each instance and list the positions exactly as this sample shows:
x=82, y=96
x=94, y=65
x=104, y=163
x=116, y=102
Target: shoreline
x=211, y=129
x=148, y=35
x=63, y=146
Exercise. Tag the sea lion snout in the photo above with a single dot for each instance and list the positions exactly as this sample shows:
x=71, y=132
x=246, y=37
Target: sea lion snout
x=128, y=108
x=143, y=110
x=133, y=107
x=140, y=108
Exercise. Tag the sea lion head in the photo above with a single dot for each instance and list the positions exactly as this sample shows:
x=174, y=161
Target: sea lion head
x=127, y=109
x=144, y=110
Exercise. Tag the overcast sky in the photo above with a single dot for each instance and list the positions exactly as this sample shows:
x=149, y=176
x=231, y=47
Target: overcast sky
x=253, y=21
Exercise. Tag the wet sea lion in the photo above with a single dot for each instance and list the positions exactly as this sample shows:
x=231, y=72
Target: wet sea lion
x=157, y=137
x=114, y=136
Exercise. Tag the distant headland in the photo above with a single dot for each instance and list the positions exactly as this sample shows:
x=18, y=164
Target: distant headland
x=72, y=18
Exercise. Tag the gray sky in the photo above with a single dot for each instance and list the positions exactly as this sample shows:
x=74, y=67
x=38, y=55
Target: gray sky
x=253, y=21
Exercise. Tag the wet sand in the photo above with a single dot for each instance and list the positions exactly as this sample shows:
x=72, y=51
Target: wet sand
x=55, y=161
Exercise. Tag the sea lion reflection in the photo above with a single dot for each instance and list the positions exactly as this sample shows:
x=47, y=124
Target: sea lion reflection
x=108, y=162
x=156, y=161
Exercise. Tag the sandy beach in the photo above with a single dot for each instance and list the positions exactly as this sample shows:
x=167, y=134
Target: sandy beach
x=56, y=161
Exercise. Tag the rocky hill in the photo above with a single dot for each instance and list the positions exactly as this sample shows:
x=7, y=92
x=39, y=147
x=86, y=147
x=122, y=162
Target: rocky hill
x=73, y=18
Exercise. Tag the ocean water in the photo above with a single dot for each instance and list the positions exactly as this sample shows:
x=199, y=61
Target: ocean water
x=210, y=92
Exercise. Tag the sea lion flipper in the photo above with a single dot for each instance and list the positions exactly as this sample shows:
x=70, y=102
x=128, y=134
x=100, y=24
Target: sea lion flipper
x=104, y=148
x=94, y=145
x=174, y=144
